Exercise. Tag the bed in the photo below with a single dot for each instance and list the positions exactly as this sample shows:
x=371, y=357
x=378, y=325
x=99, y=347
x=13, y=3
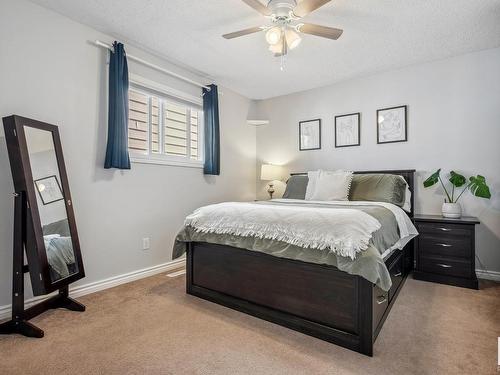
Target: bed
x=316, y=299
x=59, y=249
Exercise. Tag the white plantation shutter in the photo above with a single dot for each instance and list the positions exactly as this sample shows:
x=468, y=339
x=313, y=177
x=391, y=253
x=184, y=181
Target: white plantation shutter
x=163, y=127
x=138, y=121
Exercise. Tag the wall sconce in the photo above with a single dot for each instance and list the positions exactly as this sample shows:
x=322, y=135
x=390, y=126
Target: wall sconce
x=256, y=115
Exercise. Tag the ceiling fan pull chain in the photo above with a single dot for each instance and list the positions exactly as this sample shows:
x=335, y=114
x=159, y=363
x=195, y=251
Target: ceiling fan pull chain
x=283, y=49
x=282, y=61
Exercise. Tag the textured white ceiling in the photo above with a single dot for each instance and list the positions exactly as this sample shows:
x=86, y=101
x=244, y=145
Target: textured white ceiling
x=378, y=36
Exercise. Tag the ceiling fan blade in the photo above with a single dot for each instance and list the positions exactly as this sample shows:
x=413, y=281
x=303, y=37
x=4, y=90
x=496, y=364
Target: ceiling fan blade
x=258, y=6
x=237, y=34
x=307, y=6
x=323, y=31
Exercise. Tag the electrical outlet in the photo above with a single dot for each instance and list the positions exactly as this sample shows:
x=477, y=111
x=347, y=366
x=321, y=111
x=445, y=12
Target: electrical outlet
x=145, y=243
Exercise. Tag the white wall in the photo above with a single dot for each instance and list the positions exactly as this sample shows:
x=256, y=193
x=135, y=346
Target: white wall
x=454, y=123
x=50, y=71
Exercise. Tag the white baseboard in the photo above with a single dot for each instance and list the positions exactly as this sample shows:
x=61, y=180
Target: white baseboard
x=488, y=275
x=81, y=290
x=96, y=286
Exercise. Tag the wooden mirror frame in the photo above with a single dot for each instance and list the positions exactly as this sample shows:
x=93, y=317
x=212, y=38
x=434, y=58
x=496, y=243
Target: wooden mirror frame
x=22, y=176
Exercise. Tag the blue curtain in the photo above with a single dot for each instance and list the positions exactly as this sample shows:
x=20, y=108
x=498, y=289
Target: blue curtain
x=212, y=141
x=117, y=146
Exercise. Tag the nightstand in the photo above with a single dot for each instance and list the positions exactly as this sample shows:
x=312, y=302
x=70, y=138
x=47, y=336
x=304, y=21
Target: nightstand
x=445, y=250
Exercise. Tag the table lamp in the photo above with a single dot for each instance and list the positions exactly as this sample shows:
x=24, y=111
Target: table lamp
x=269, y=172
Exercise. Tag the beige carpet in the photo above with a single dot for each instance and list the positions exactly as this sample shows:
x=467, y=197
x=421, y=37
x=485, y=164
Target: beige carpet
x=152, y=327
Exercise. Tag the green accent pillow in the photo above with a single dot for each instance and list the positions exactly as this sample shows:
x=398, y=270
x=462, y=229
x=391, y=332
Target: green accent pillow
x=378, y=188
x=296, y=187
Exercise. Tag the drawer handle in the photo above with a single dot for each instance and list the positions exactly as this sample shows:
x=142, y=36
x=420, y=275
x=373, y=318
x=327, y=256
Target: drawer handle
x=444, y=229
x=444, y=244
x=381, y=299
x=398, y=274
x=443, y=265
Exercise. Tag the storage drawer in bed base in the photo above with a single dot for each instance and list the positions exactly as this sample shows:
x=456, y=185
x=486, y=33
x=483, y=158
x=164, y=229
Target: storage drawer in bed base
x=318, y=300
x=396, y=270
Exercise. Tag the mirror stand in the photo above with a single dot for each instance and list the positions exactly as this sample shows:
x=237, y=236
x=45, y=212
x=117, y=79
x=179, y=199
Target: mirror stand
x=20, y=316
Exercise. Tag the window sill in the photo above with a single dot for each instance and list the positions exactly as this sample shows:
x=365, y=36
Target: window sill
x=160, y=161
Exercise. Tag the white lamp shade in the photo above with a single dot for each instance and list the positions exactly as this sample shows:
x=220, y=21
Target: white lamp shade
x=273, y=35
x=292, y=38
x=269, y=172
x=276, y=48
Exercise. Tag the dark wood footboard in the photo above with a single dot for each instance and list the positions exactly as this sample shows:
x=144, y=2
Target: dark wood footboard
x=317, y=300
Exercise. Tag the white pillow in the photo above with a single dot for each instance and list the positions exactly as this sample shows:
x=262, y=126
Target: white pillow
x=332, y=186
x=311, y=184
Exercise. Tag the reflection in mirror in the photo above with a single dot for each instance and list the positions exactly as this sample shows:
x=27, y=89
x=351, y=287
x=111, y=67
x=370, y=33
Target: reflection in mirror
x=50, y=200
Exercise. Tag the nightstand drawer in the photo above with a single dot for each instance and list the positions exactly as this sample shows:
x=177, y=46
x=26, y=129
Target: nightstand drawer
x=445, y=266
x=445, y=229
x=447, y=246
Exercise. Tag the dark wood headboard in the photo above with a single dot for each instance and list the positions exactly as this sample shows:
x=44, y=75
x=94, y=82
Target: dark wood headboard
x=407, y=174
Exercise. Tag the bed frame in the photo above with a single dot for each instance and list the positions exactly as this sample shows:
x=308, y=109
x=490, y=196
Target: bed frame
x=314, y=299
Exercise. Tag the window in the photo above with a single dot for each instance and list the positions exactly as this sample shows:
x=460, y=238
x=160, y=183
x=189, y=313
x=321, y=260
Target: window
x=164, y=129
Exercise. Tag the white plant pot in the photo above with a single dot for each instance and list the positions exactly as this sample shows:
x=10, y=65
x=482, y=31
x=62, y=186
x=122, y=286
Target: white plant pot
x=452, y=210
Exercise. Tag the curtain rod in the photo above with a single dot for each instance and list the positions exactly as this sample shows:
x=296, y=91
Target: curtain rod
x=153, y=66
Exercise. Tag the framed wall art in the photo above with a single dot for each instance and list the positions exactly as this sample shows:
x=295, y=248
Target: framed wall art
x=310, y=135
x=392, y=125
x=49, y=189
x=347, y=130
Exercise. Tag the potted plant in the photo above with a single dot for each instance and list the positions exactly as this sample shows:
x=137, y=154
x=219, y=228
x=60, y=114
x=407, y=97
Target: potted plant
x=476, y=185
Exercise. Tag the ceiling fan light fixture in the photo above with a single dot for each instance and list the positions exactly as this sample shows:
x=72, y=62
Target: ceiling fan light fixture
x=273, y=35
x=292, y=38
x=285, y=33
x=276, y=48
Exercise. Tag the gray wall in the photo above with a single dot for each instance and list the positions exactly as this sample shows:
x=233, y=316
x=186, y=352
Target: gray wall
x=454, y=123
x=50, y=71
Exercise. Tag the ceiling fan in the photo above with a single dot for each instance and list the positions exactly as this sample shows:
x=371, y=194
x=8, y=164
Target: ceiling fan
x=284, y=33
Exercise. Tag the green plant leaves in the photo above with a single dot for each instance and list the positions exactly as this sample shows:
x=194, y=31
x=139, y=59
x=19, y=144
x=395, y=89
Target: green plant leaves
x=432, y=179
x=457, y=179
x=478, y=187
x=477, y=184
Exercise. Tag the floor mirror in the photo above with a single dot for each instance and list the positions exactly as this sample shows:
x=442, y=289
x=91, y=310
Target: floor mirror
x=45, y=232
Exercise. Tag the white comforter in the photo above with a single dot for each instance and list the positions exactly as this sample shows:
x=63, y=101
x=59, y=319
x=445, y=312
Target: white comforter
x=345, y=232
